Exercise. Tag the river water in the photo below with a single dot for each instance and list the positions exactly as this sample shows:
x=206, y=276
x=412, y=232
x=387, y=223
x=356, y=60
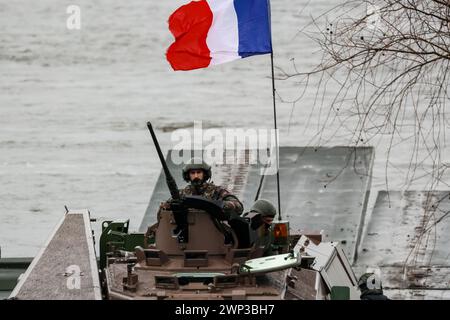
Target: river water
x=74, y=106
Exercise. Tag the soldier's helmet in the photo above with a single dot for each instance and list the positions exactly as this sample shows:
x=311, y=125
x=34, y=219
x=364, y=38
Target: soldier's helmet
x=264, y=207
x=196, y=163
x=369, y=283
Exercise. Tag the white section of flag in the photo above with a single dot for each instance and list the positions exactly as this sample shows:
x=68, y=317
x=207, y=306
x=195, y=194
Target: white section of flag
x=223, y=35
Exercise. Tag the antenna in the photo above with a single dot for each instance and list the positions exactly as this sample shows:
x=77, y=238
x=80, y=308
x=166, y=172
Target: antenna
x=276, y=138
x=274, y=114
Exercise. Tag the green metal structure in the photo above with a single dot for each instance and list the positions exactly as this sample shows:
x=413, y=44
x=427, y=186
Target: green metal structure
x=115, y=237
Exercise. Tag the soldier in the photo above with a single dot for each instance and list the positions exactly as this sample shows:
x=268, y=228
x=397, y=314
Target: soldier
x=262, y=214
x=371, y=288
x=198, y=174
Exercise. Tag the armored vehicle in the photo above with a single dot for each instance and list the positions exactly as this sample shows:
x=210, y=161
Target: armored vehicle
x=192, y=251
x=218, y=257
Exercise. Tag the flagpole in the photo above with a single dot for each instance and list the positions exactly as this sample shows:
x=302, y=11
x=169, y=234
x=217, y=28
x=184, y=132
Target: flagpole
x=276, y=136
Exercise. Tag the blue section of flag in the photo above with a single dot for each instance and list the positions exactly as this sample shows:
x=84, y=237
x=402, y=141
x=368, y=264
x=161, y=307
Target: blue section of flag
x=254, y=27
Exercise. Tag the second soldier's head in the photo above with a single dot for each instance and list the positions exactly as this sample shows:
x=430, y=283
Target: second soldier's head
x=266, y=209
x=196, y=171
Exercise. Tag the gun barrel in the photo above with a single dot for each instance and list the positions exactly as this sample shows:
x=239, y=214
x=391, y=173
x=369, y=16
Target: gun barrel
x=171, y=184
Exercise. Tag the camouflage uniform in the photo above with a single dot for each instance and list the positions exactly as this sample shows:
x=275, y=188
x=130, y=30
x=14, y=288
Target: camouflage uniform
x=231, y=204
x=232, y=207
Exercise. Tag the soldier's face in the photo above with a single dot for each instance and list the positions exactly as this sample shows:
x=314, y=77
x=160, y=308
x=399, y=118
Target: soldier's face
x=267, y=220
x=196, y=175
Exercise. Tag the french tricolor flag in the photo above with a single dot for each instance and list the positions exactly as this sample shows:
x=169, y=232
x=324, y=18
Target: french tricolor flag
x=210, y=32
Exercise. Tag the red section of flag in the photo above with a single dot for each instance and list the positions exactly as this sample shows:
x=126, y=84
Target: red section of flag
x=190, y=25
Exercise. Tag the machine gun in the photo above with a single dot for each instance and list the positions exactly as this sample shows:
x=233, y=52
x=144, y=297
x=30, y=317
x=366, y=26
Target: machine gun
x=181, y=232
x=180, y=205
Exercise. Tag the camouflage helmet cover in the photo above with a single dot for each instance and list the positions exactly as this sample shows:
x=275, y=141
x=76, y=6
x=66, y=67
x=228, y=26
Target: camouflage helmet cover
x=264, y=207
x=196, y=163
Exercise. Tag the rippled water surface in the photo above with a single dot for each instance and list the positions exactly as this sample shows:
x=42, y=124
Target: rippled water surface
x=74, y=104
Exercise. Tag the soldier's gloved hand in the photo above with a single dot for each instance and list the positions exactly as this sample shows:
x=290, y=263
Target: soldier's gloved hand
x=228, y=206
